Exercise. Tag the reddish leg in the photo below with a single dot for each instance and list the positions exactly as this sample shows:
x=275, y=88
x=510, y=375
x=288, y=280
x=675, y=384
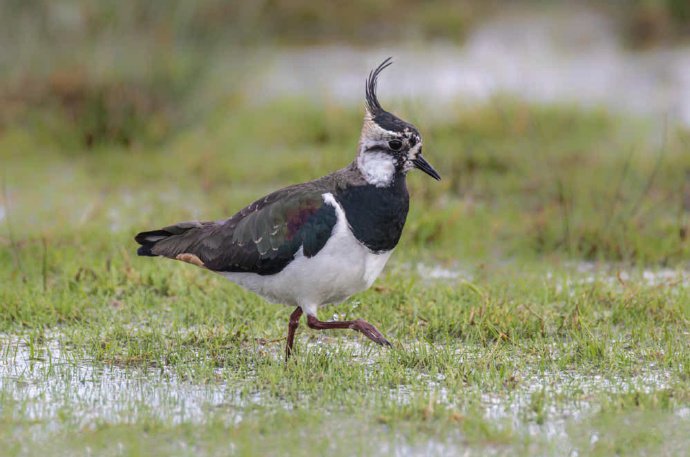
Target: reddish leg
x=360, y=325
x=292, y=326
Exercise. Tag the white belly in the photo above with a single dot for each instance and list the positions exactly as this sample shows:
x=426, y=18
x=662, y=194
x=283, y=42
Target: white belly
x=340, y=269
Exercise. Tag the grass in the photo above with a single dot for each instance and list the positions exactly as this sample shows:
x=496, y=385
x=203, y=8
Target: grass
x=564, y=325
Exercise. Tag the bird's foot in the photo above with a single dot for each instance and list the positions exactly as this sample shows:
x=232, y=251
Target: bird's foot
x=370, y=332
x=359, y=325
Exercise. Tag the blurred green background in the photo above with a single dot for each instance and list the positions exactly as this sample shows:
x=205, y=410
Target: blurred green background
x=116, y=117
x=129, y=72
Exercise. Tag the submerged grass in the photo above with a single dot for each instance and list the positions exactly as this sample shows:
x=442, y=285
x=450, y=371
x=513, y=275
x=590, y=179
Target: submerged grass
x=563, y=328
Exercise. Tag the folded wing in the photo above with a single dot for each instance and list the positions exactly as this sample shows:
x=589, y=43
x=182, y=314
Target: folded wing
x=262, y=238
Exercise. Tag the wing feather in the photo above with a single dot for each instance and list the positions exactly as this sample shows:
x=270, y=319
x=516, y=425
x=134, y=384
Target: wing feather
x=262, y=238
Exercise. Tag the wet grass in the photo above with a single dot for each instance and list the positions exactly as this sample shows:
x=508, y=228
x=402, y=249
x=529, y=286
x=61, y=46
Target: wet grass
x=561, y=323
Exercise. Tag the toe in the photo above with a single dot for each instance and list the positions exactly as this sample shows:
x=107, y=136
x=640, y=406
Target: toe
x=380, y=339
x=372, y=333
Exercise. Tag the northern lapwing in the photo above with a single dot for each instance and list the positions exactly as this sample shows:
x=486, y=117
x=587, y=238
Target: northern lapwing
x=319, y=242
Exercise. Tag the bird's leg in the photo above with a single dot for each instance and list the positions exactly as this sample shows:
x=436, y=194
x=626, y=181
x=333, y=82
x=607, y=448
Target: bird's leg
x=360, y=325
x=292, y=326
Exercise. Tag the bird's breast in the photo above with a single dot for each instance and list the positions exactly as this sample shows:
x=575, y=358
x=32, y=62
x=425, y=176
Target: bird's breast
x=376, y=215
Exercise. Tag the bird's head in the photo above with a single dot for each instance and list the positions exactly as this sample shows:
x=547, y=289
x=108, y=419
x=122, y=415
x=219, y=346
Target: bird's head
x=388, y=145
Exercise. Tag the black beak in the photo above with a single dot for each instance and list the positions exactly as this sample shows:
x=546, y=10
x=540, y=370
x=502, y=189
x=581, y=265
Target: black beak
x=423, y=165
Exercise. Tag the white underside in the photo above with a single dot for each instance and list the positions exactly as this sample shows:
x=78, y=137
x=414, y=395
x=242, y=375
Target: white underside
x=343, y=267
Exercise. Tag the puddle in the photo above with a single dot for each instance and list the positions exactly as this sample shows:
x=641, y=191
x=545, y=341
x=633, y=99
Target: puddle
x=438, y=272
x=573, y=273
x=577, y=391
x=566, y=396
x=43, y=384
x=619, y=278
x=573, y=57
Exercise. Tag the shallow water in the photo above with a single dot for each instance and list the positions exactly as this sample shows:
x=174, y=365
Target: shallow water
x=564, y=57
x=42, y=384
x=572, y=272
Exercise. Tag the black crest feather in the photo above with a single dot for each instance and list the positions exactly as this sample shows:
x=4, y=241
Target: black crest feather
x=373, y=104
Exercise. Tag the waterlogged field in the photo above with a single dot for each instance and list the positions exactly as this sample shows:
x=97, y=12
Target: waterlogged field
x=539, y=302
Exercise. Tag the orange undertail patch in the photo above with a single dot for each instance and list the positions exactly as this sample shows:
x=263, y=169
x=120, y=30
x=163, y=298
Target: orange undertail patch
x=190, y=258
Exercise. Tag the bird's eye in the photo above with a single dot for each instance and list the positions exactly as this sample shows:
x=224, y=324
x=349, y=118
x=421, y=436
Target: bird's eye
x=395, y=145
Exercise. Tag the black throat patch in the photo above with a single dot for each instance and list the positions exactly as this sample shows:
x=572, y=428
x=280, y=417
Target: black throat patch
x=376, y=214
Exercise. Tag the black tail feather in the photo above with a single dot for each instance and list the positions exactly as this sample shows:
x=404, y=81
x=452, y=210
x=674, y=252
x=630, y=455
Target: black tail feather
x=145, y=250
x=148, y=240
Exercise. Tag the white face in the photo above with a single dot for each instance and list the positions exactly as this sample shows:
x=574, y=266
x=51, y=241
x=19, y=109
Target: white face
x=382, y=153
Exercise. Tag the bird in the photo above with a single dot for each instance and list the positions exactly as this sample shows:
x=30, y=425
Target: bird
x=318, y=242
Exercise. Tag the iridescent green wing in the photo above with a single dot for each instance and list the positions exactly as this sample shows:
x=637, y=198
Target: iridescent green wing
x=262, y=238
